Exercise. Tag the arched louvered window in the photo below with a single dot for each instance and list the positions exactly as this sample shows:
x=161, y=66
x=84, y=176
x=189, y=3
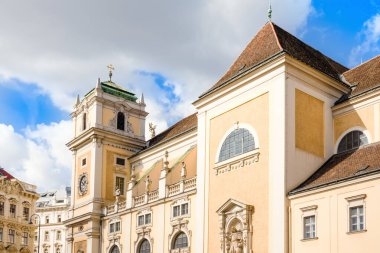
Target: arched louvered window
x=120, y=121
x=115, y=249
x=352, y=140
x=144, y=247
x=180, y=241
x=238, y=142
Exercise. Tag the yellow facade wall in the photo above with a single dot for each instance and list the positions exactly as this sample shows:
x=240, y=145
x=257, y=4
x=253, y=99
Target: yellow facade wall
x=108, y=115
x=363, y=117
x=81, y=170
x=110, y=169
x=309, y=123
x=252, y=179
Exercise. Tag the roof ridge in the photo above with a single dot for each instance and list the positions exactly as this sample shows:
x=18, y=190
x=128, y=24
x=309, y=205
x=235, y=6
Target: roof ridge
x=362, y=64
x=276, y=36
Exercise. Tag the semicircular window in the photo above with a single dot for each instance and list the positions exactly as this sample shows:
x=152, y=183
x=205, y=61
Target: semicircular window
x=352, y=140
x=238, y=142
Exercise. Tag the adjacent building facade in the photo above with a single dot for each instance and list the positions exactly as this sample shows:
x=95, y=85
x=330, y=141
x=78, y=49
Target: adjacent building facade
x=17, y=201
x=280, y=156
x=52, y=208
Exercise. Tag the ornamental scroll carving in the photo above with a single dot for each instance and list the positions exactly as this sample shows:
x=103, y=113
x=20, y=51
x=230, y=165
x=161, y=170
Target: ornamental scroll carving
x=235, y=227
x=10, y=186
x=237, y=163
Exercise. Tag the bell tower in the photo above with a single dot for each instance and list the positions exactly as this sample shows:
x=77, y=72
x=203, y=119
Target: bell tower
x=109, y=127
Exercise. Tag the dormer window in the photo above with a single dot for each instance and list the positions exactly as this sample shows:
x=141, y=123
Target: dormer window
x=120, y=121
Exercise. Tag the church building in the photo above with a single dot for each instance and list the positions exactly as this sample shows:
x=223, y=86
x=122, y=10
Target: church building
x=280, y=156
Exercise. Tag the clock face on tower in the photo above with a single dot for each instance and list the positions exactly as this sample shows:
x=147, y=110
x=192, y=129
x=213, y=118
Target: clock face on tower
x=83, y=182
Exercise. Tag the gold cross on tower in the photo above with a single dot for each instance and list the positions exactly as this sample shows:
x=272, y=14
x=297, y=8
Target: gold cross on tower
x=110, y=68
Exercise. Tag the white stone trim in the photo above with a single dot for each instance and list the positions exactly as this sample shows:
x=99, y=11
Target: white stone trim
x=307, y=212
x=354, y=201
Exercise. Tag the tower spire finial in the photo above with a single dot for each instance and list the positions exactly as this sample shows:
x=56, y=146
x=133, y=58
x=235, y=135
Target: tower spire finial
x=270, y=11
x=110, y=68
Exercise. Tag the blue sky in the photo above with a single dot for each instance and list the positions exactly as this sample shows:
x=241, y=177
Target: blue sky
x=170, y=51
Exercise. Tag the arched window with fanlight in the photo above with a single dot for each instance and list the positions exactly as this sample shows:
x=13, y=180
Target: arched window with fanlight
x=144, y=247
x=115, y=249
x=120, y=121
x=238, y=142
x=180, y=241
x=352, y=140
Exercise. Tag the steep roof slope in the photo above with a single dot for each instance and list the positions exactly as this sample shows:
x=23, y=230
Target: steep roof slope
x=271, y=41
x=344, y=166
x=180, y=127
x=366, y=76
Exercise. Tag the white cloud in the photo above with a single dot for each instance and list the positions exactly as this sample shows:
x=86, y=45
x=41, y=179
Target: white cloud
x=63, y=46
x=40, y=156
x=369, y=38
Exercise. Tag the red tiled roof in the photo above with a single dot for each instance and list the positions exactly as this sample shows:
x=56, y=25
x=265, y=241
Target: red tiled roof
x=366, y=76
x=178, y=128
x=272, y=40
x=5, y=174
x=344, y=166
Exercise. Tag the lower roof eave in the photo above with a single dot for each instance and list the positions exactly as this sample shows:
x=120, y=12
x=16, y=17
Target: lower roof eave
x=335, y=183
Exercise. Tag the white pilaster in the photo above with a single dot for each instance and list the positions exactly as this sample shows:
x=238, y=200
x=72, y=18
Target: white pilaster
x=277, y=141
x=200, y=233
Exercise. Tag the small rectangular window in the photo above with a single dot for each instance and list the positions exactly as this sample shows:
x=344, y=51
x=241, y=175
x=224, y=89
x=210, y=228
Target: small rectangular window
x=140, y=220
x=84, y=162
x=1, y=234
x=46, y=236
x=24, y=238
x=176, y=211
x=11, y=236
x=309, y=227
x=148, y=218
x=356, y=218
x=184, y=209
x=120, y=161
x=12, y=210
x=58, y=236
x=59, y=218
x=25, y=213
x=115, y=227
x=47, y=220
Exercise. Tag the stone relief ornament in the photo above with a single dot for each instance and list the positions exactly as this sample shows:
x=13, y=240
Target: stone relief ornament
x=235, y=227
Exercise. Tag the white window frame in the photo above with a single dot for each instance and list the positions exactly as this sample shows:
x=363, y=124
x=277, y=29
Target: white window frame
x=180, y=203
x=143, y=214
x=113, y=223
x=307, y=212
x=355, y=201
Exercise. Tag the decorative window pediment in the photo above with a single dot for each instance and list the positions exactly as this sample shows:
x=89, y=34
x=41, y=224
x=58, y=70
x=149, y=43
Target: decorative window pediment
x=235, y=221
